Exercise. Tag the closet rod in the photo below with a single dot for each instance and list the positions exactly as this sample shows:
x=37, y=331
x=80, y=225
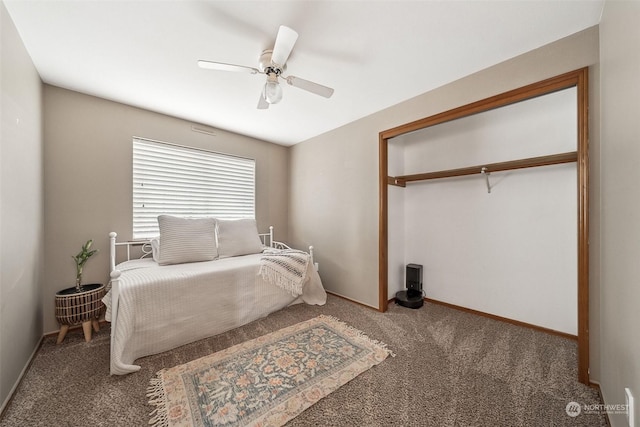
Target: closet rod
x=531, y=162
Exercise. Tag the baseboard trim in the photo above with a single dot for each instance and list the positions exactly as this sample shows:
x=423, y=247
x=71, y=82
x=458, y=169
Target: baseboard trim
x=500, y=318
x=352, y=300
x=9, y=398
x=72, y=328
x=596, y=385
x=7, y=401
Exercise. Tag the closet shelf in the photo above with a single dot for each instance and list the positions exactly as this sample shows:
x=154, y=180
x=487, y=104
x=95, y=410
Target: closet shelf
x=554, y=159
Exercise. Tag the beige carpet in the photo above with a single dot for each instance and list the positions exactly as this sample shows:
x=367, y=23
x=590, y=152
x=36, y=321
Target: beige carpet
x=451, y=369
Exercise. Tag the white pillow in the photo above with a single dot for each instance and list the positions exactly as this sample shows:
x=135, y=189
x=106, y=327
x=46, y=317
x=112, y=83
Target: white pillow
x=186, y=240
x=237, y=237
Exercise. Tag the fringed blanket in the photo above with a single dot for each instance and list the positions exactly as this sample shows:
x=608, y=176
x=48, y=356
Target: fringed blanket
x=285, y=268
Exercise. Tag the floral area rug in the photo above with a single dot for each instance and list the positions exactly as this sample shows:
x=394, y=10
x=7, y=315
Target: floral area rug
x=266, y=381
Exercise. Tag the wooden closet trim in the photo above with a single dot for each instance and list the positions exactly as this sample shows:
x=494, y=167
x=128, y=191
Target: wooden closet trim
x=578, y=79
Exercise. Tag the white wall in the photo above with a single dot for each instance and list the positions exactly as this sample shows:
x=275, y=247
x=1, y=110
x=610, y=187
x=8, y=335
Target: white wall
x=620, y=176
x=511, y=252
x=396, y=219
x=21, y=207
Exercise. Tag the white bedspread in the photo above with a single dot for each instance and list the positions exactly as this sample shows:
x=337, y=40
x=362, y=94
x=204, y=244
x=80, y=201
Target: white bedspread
x=163, y=307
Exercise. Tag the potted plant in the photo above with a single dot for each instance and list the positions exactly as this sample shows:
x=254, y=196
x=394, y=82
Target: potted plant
x=81, y=259
x=80, y=304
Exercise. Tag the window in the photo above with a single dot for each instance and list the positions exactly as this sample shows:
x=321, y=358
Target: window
x=182, y=181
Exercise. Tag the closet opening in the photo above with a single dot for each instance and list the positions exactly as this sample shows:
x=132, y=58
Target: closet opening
x=530, y=183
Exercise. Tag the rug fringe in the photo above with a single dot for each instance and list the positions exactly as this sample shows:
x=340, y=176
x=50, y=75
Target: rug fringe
x=358, y=333
x=155, y=393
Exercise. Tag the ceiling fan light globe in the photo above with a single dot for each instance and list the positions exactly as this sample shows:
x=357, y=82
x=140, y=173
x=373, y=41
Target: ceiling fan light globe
x=272, y=92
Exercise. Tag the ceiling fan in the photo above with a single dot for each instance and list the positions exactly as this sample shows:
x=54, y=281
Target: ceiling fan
x=273, y=63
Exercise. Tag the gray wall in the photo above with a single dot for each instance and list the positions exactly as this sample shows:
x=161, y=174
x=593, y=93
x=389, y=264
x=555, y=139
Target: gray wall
x=334, y=177
x=88, y=189
x=620, y=232
x=21, y=212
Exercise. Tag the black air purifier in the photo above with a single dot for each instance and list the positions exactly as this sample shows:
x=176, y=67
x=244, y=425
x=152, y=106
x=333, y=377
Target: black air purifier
x=412, y=296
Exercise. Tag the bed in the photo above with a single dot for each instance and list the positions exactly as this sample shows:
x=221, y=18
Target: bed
x=155, y=306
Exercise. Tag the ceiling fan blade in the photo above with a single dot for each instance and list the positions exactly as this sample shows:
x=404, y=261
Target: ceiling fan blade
x=221, y=66
x=285, y=40
x=262, y=103
x=312, y=87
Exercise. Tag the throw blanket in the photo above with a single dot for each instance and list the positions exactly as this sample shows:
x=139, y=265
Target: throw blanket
x=285, y=268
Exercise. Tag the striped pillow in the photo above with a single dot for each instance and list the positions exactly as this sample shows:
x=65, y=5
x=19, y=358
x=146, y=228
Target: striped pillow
x=186, y=240
x=237, y=237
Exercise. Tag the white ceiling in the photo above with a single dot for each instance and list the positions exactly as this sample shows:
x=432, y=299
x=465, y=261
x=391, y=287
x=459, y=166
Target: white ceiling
x=373, y=53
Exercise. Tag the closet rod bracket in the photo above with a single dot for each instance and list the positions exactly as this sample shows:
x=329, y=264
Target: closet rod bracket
x=484, y=171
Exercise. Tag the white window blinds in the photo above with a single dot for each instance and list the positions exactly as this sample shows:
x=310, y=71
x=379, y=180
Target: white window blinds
x=175, y=180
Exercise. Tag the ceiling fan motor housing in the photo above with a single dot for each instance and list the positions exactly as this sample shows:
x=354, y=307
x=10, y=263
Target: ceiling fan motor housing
x=266, y=66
